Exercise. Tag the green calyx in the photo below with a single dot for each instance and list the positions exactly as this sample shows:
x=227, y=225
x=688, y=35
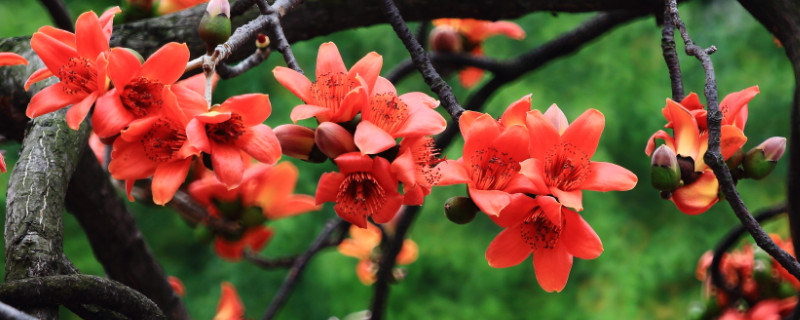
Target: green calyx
x=214, y=30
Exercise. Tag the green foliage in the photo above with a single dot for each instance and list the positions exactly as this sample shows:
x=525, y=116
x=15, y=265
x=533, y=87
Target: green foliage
x=651, y=249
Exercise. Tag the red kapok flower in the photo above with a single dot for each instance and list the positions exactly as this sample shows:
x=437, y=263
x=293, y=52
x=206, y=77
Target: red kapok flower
x=690, y=141
x=338, y=94
x=157, y=146
x=235, y=126
x=138, y=87
x=362, y=245
x=11, y=59
x=490, y=163
x=363, y=188
x=475, y=32
x=170, y=6
x=561, y=152
x=415, y=167
x=388, y=117
x=79, y=60
x=230, y=306
x=553, y=233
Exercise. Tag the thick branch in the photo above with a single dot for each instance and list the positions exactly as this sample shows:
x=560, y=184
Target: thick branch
x=115, y=238
x=77, y=290
x=59, y=13
x=388, y=260
x=38, y=184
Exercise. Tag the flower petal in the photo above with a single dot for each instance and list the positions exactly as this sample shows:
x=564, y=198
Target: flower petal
x=89, y=38
x=254, y=108
x=734, y=102
x=260, y=143
x=11, y=59
x=584, y=132
x=371, y=139
x=53, y=53
x=196, y=135
x=452, y=172
x=51, y=99
x=328, y=187
x=651, y=142
x=570, y=199
x=542, y=131
x=699, y=196
x=423, y=121
x=167, y=178
x=296, y=82
x=557, y=118
x=227, y=163
x=490, y=202
x=167, y=64
x=552, y=267
x=79, y=110
x=604, y=176
x=305, y=111
x=122, y=66
x=388, y=210
x=329, y=60
x=368, y=69
x=508, y=249
x=516, y=113
x=731, y=140
x=687, y=135
x=470, y=76
x=579, y=237
x=37, y=76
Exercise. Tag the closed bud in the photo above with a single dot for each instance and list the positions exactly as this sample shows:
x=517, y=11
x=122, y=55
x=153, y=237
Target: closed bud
x=262, y=41
x=333, y=140
x=445, y=39
x=298, y=142
x=215, y=26
x=460, y=210
x=761, y=160
x=665, y=174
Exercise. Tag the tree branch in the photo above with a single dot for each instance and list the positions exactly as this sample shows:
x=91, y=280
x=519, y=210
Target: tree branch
x=300, y=263
x=59, y=13
x=76, y=290
x=422, y=61
x=671, y=55
x=388, y=259
x=11, y=313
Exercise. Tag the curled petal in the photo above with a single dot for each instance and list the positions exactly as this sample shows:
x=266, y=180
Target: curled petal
x=699, y=196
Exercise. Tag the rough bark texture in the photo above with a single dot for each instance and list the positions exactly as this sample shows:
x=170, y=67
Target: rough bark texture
x=115, y=237
x=35, y=201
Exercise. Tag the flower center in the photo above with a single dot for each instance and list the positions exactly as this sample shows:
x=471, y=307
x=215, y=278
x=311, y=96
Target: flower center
x=162, y=142
x=492, y=169
x=360, y=194
x=539, y=232
x=330, y=89
x=387, y=112
x=227, y=131
x=426, y=157
x=78, y=75
x=142, y=96
x=566, y=167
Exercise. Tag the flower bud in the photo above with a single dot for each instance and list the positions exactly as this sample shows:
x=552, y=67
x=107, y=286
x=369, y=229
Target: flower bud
x=296, y=141
x=761, y=160
x=334, y=140
x=665, y=174
x=460, y=210
x=262, y=41
x=215, y=26
x=445, y=39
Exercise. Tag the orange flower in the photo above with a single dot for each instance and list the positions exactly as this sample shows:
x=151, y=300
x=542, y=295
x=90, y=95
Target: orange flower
x=388, y=117
x=415, y=167
x=475, y=32
x=690, y=141
x=230, y=306
x=11, y=59
x=560, y=157
x=491, y=161
x=782, y=272
x=338, y=94
x=362, y=245
x=363, y=188
x=553, y=233
x=767, y=309
x=177, y=285
x=79, y=60
x=254, y=239
x=138, y=87
x=157, y=146
x=232, y=128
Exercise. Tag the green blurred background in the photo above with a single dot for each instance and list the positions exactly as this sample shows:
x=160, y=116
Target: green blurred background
x=651, y=249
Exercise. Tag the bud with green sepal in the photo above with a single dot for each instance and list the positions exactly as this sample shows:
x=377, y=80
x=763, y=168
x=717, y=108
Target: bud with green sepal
x=761, y=160
x=665, y=173
x=460, y=210
x=215, y=26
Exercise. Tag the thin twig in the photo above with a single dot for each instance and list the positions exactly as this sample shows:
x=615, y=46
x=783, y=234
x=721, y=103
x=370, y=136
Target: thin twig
x=421, y=60
x=713, y=157
x=299, y=265
x=59, y=13
x=226, y=72
x=726, y=243
x=264, y=263
x=671, y=55
x=388, y=261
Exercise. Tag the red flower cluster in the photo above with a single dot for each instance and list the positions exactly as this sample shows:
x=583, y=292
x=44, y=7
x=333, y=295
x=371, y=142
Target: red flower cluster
x=371, y=161
x=527, y=171
x=157, y=124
